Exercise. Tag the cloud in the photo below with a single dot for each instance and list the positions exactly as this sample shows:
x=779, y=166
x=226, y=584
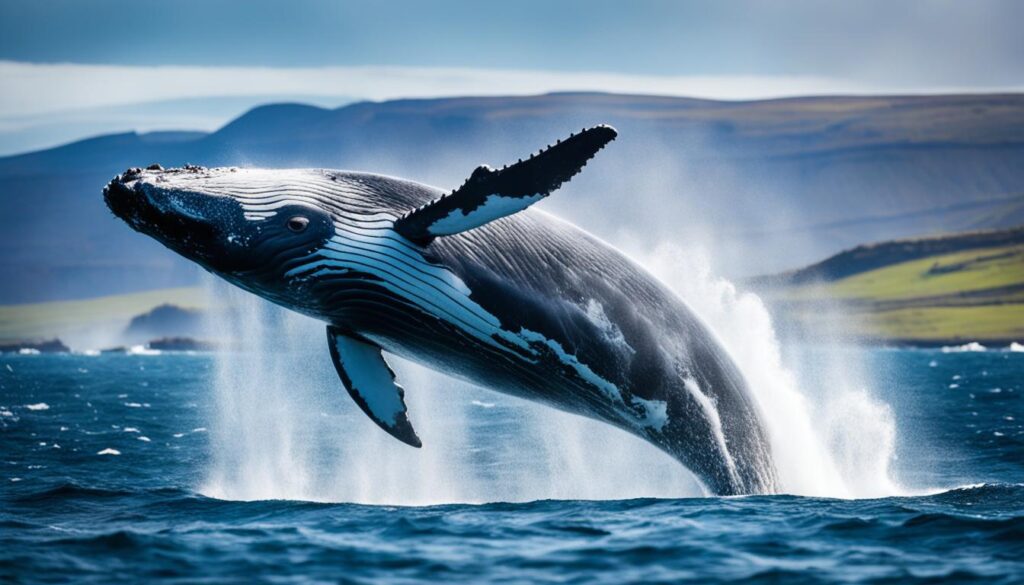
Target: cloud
x=32, y=88
x=891, y=41
x=48, y=104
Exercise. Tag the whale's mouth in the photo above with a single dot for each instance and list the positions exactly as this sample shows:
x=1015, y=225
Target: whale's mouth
x=157, y=212
x=188, y=222
x=126, y=200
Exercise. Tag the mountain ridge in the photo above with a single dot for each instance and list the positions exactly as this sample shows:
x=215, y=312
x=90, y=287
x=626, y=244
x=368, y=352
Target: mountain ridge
x=683, y=169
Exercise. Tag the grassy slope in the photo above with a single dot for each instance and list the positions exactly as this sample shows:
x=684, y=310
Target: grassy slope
x=958, y=296
x=46, y=320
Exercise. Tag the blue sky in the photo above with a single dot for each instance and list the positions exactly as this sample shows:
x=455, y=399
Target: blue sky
x=68, y=65
x=931, y=41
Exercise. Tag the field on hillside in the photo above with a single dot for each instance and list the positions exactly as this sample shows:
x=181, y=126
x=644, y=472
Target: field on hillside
x=78, y=318
x=974, y=295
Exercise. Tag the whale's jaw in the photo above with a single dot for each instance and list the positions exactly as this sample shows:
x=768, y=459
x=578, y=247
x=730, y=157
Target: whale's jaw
x=172, y=207
x=207, y=224
x=191, y=224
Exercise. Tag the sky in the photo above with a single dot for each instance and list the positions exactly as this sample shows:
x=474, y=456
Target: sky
x=72, y=68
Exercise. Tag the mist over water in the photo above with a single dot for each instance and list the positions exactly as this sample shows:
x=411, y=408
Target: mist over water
x=830, y=436
x=285, y=428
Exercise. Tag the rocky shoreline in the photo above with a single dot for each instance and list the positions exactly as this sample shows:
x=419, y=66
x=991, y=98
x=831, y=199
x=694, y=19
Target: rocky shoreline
x=56, y=346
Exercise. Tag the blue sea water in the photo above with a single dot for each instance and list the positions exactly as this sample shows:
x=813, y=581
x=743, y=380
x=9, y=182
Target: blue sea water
x=105, y=473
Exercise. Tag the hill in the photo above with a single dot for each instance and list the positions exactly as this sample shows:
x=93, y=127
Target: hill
x=939, y=290
x=772, y=184
x=95, y=322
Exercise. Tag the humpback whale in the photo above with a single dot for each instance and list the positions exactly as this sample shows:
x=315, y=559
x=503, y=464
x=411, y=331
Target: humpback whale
x=472, y=283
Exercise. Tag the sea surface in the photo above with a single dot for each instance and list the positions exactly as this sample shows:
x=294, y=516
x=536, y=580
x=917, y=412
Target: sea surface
x=109, y=466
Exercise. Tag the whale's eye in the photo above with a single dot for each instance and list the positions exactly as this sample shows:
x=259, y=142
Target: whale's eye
x=298, y=223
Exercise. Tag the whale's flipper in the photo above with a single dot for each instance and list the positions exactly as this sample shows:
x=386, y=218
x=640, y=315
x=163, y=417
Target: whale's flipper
x=490, y=194
x=371, y=383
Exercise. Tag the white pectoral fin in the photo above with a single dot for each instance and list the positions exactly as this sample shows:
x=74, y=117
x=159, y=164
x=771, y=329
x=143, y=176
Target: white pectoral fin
x=490, y=194
x=371, y=383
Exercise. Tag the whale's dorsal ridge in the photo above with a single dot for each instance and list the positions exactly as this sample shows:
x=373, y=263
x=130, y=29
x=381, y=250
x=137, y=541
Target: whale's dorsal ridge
x=371, y=383
x=490, y=194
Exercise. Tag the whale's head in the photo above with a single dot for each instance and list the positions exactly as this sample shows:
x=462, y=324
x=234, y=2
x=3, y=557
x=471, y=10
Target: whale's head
x=208, y=216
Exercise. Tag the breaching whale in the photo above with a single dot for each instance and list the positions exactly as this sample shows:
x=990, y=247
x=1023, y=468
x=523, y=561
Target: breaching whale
x=473, y=284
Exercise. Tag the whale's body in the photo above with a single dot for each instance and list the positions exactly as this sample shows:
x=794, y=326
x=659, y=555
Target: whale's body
x=526, y=304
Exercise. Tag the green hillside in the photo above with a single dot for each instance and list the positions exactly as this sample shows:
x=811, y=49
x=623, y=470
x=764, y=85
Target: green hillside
x=949, y=289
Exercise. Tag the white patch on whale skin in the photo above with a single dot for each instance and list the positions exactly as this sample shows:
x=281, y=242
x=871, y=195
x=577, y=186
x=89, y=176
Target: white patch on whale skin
x=371, y=379
x=655, y=412
x=184, y=206
x=711, y=413
x=610, y=390
x=375, y=254
x=494, y=207
x=257, y=215
x=446, y=298
x=326, y=272
x=611, y=332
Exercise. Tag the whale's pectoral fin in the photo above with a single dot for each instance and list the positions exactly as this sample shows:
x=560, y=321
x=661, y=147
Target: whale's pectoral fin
x=371, y=383
x=490, y=194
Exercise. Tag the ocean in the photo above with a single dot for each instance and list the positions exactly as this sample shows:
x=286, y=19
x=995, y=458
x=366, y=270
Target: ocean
x=169, y=468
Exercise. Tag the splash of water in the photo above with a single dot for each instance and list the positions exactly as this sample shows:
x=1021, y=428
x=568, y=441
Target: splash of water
x=285, y=428
x=830, y=436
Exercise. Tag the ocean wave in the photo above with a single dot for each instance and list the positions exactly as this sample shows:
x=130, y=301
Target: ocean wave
x=107, y=542
x=69, y=491
x=79, y=517
x=973, y=346
x=938, y=521
x=757, y=539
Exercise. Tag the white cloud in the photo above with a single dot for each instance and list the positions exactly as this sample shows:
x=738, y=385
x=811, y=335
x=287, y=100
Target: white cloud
x=44, y=105
x=32, y=89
